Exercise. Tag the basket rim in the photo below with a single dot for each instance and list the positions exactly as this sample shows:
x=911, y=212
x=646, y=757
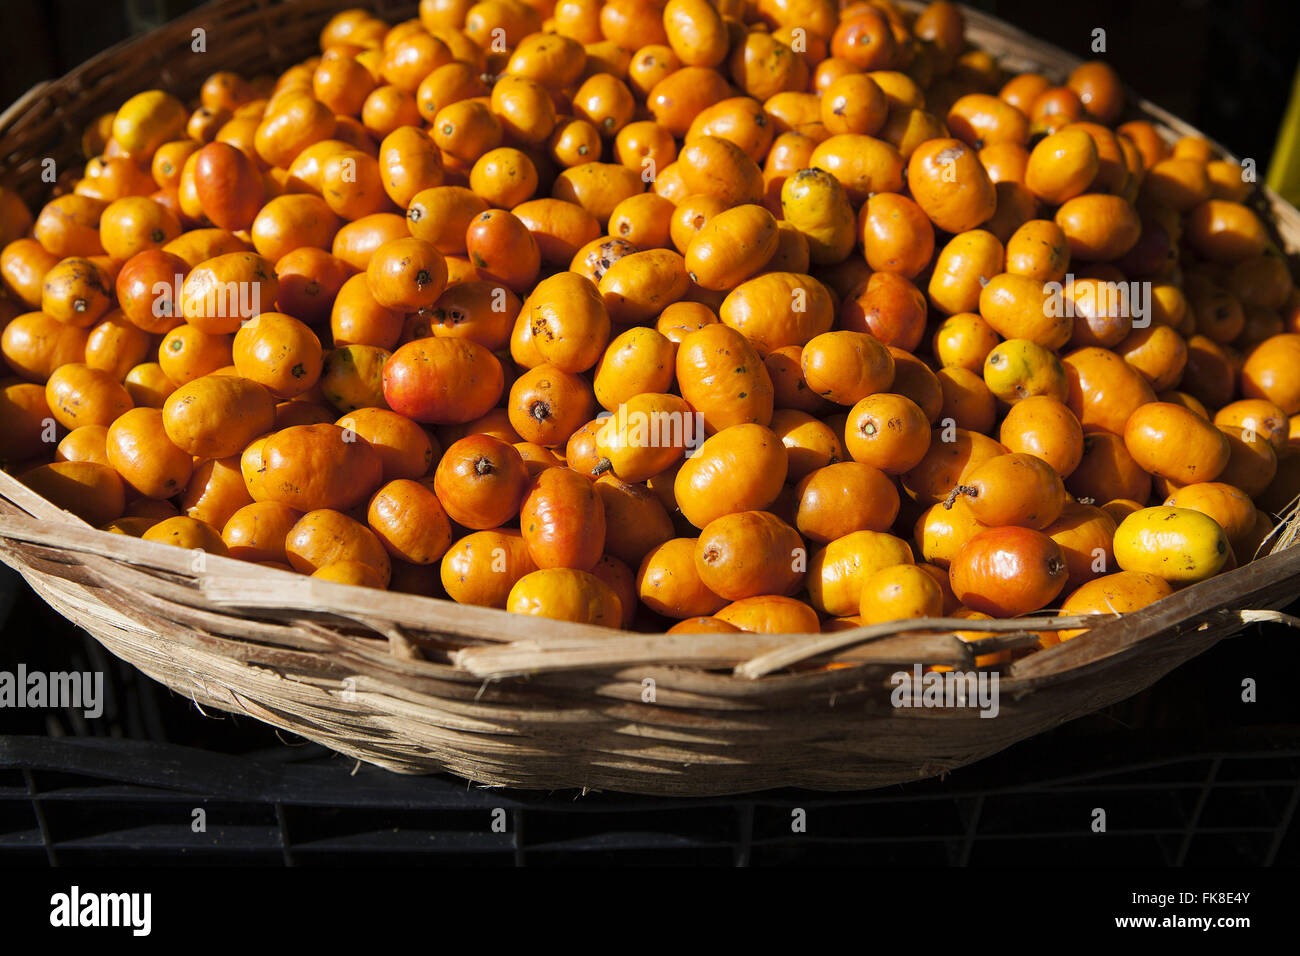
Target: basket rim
x=496, y=644
x=510, y=645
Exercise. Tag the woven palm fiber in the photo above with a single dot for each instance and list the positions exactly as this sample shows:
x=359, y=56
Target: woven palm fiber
x=420, y=685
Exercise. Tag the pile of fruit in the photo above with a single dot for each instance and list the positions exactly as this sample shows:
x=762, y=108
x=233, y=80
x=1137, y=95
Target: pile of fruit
x=701, y=315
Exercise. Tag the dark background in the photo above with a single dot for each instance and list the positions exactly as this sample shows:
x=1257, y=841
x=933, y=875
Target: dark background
x=1189, y=773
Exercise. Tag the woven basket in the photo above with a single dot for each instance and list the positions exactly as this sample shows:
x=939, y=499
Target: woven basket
x=418, y=685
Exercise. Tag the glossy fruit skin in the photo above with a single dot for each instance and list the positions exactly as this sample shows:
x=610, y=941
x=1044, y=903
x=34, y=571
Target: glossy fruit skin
x=483, y=566
x=561, y=228
x=501, y=247
x=547, y=405
x=409, y=521
x=953, y=454
x=80, y=395
x=704, y=625
x=899, y=592
x=566, y=594
x=133, y=224
x=257, y=531
x=563, y=521
x=1269, y=372
x=887, y=431
x=1044, y=427
x=481, y=481
x=148, y=385
x=139, y=450
x=639, y=360
x=187, y=353
x=279, y=352
x=636, y=520
x=940, y=532
x=1158, y=353
x=846, y=367
x=349, y=571
x=183, y=531
x=406, y=274
x=91, y=491
x=815, y=203
x=1039, y=250
x=410, y=163
x=405, y=449
x=324, y=536
x=597, y=188
x=1086, y=535
x=225, y=291
x=647, y=435
x=442, y=381
x=580, y=451
x=749, y=553
x=23, y=266
x=643, y=220
x=1008, y=571
x=1062, y=166
x=441, y=215
x=24, y=415
x=291, y=221
x=1225, y=231
x=1252, y=462
x=889, y=308
x=1229, y=506
x=669, y=583
x=228, y=186
x=199, y=245
x=949, y=182
x=777, y=309
x=1107, y=471
x=722, y=377
x=1104, y=389
x=1259, y=415
x=291, y=128
x=146, y=121
x=569, y=323
x=1017, y=306
x=217, y=416
x=966, y=399
x=731, y=247
x=116, y=346
x=1177, y=544
x=770, y=614
x=741, y=468
x=810, y=443
x=1120, y=593
x=964, y=266
x=86, y=443
x=837, y=571
x=863, y=165
x=1014, y=489
x=844, y=497
x=1169, y=441
x=896, y=235
x=215, y=492
x=75, y=291
x=964, y=341
x=637, y=286
x=309, y=467
x=1098, y=228
x=718, y=167
x=69, y=226
x=352, y=377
